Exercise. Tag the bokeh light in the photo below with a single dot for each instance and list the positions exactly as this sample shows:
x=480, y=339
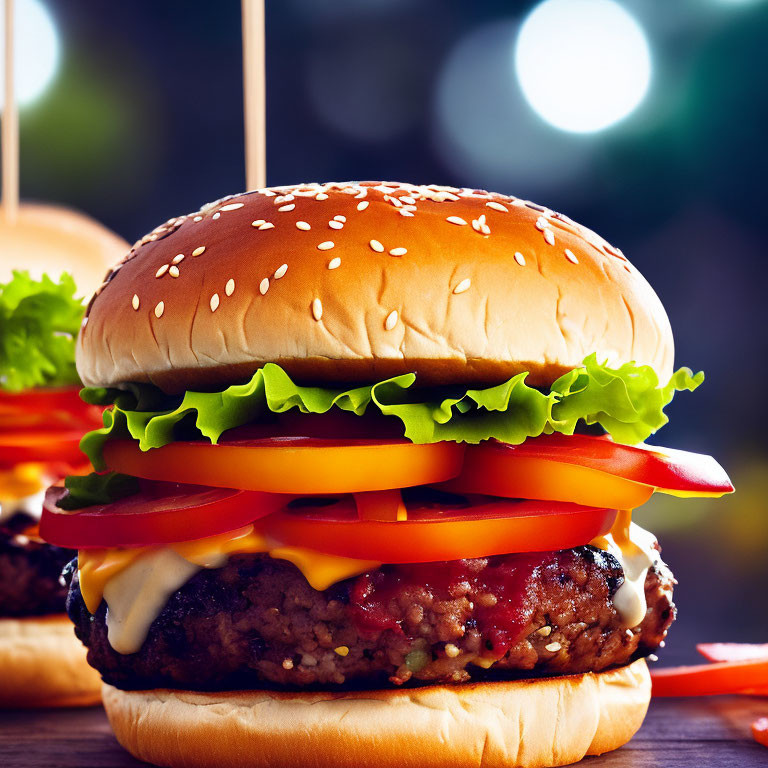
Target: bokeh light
x=484, y=131
x=36, y=52
x=583, y=65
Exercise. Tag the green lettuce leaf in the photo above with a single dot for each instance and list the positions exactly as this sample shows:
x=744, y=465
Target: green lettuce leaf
x=627, y=402
x=39, y=321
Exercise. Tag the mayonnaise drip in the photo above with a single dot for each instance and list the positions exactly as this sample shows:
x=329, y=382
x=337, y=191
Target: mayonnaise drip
x=634, y=548
x=137, y=583
x=136, y=596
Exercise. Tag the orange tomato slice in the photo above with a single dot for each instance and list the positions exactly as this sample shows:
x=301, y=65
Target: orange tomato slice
x=710, y=679
x=291, y=465
x=433, y=532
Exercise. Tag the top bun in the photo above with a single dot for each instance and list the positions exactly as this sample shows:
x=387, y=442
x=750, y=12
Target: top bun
x=354, y=282
x=51, y=239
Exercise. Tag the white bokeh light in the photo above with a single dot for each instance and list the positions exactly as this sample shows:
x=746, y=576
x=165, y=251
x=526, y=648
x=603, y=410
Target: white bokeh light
x=36, y=52
x=583, y=65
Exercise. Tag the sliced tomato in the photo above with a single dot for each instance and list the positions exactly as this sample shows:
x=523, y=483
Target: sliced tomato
x=711, y=679
x=40, y=446
x=733, y=651
x=434, y=532
x=587, y=470
x=760, y=731
x=291, y=465
x=161, y=513
x=47, y=409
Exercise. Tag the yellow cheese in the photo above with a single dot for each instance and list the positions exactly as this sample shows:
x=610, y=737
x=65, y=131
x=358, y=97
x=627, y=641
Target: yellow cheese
x=136, y=583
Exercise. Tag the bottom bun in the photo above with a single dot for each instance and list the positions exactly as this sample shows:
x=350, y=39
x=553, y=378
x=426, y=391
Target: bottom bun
x=42, y=664
x=524, y=723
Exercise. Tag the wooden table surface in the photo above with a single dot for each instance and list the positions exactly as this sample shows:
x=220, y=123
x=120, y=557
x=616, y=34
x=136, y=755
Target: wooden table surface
x=678, y=733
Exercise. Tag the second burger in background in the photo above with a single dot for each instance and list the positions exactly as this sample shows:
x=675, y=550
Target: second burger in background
x=369, y=461
x=42, y=420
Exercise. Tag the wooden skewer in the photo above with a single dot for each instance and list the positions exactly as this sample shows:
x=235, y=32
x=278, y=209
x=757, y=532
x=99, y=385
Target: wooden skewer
x=10, y=125
x=254, y=94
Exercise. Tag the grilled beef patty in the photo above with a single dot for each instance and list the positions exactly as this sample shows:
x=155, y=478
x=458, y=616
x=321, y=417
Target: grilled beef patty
x=257, y=622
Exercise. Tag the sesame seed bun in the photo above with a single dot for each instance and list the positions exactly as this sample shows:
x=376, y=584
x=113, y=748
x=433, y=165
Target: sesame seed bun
x=355, y=282
x=42, y=664
x=47, y=238
x=527, y=724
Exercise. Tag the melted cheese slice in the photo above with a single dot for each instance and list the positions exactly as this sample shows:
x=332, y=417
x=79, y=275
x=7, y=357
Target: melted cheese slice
x=634, y=548
x=137, y=583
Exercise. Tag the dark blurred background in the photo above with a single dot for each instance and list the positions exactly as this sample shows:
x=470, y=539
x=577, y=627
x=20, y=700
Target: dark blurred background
x=141, y=119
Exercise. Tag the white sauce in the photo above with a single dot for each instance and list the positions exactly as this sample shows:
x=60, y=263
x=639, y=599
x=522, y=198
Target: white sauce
x=634, y=548
x=136, y=596
x=29, y=505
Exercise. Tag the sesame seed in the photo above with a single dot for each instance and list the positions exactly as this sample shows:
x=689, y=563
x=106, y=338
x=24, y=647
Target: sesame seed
x=334, y=263
x=173, y=271
x=335, y=225
x=280, y=271
x=160, y=272
x=199, y=251
x=377, y=246
x=544, y=631
x=317, y=309
x=216, y=215
x=481, y=219
x=303, y=225
x=258, y=223
x=198, y=218
x=326, y=246
x=463, y=286
x=135, y=301
x=342, y=219
x=363, y=205
x=231, y=206
x=456, y=220
x=520, y=259
x=342, y=650
x=403, y=212
x=549, y=236
x=408, y=199
x=267, y=225
x=288, y=207
x=214, y=302
x=541, y=223
x=178, y=259
x=391, y=320
x=553, y=647
x=571, y=256
x=485, y=229
x=159, y=309
x=497, y=206
x=476, y=225
x=230, y=287
x=653, y=657
x=398, y=252
x=451, y=650
x=321, y=196
x=264, y=286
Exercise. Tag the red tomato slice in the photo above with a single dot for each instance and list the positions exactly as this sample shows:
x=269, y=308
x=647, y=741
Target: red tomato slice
x=434, y=532
x=162, y=513
x=47, y=409
x=40, y=446
x=733, y=651
x=710, y=679
x=291, y=465
x=588, y=470
x=760, y=731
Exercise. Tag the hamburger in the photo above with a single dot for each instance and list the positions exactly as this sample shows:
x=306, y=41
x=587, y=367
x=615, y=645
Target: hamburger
x=365, y=483
x=41, y=422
